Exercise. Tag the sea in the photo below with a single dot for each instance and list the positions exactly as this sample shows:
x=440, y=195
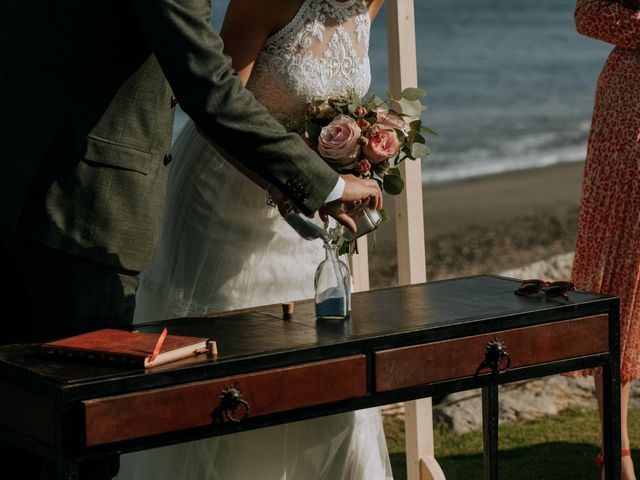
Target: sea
x=510, y=83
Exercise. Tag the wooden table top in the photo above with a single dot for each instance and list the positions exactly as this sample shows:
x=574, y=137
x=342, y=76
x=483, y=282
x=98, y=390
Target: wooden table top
x=258, y=338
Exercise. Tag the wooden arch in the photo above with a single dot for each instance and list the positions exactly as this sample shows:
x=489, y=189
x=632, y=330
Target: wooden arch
x=403, y=73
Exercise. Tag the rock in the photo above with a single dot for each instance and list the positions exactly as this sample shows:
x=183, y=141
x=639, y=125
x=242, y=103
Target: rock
x=557, y=267
x=526, y=400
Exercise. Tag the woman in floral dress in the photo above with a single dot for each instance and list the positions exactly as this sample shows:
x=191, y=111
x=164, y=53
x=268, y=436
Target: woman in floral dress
x=608, y=246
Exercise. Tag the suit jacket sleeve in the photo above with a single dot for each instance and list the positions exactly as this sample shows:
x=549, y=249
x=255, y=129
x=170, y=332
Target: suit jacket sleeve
x=208, y=90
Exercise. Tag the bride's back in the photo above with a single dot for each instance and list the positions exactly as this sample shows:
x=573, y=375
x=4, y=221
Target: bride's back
x=322, y=51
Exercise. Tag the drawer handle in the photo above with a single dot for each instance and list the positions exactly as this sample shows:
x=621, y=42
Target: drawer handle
x=494, y=354
x=232, y=406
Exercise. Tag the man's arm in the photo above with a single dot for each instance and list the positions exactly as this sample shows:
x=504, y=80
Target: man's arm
x=209, y=91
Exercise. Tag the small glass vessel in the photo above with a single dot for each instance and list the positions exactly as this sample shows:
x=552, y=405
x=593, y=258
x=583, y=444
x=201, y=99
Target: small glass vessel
x=332, y=286
x=367, y=220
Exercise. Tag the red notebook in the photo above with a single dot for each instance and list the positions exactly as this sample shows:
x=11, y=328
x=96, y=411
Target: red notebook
x=130, y=348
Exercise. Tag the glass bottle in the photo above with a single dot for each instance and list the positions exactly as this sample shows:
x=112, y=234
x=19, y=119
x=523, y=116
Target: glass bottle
x=332, y=286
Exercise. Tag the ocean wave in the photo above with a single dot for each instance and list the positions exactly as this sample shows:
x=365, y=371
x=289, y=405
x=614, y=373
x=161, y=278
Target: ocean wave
x=481, y=161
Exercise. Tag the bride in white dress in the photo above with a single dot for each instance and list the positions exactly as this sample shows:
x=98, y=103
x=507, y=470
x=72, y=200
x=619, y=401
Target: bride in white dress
x=224, y=248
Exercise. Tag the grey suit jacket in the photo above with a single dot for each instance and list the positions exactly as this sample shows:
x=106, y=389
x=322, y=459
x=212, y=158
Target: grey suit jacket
x=85, y=123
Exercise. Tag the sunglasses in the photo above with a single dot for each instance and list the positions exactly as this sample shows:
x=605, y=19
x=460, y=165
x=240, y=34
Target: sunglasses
x=550, y=289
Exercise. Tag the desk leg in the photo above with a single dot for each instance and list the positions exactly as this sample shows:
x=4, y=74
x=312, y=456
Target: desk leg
x=611, y=403
x=490, y=431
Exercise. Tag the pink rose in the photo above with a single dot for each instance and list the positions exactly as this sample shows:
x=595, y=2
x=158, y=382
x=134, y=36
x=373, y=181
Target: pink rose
x=391, y=120
x=339, y=140
x=382, y=146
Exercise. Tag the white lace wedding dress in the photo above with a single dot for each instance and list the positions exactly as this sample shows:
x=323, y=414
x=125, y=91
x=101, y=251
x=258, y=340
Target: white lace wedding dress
x=223, y=248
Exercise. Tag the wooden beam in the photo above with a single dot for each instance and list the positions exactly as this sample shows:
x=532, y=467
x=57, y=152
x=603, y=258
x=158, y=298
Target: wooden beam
x=359, y=265
x=403, y=73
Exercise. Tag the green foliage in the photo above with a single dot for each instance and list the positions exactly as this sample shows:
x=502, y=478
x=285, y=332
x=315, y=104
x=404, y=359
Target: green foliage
x=393, y=184
x=419, y=150
x=559, y=447
x=412, y=94
x=411, y=108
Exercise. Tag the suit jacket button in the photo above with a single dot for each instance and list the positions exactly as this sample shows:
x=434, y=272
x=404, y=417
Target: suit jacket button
x=174, y=102
x=167, y=159
x=298, y=188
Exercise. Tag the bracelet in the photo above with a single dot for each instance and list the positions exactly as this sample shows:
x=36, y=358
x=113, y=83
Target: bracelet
x=270, y=200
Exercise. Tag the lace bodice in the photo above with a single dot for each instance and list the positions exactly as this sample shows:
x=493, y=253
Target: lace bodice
x=322, y=51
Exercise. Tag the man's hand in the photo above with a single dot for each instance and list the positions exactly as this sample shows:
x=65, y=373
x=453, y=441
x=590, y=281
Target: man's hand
x=355, y=190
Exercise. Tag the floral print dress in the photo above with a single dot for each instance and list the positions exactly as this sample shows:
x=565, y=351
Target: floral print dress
x=608, y=245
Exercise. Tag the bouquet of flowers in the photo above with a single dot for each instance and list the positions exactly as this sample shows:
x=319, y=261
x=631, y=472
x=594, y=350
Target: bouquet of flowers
x=368, y=137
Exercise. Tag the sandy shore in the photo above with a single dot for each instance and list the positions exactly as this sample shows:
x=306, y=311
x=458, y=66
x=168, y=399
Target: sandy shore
x=491, y=224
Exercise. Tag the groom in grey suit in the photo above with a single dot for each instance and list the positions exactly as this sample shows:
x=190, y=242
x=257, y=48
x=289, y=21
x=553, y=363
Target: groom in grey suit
x=90, y=89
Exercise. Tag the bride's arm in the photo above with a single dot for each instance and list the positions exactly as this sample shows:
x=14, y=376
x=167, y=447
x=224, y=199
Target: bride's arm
x=374, y=7
x=247, y=25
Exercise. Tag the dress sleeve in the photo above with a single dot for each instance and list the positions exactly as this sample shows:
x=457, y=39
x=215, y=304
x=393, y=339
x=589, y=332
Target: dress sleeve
x=608, y=21
x=191, y=56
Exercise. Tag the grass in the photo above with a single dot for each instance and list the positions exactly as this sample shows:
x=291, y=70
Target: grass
x=559, y=447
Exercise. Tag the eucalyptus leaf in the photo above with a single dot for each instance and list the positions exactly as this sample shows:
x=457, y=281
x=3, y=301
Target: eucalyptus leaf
x=419, y=150
x=412, y=94
x=379, y=102
x=385, y=216
x=415, y=125
x=410, y=108
x=393, y=184
x=432, y=132
x=393, y=171
x=407, y=151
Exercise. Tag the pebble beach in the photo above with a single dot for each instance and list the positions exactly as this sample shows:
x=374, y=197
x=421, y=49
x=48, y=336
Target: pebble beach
x=519, y=224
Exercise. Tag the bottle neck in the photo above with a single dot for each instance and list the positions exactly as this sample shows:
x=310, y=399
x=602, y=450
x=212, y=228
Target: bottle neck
x=330, y=251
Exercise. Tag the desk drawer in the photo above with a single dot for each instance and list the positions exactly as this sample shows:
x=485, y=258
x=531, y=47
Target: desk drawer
x=451, y=359
x=152, y=412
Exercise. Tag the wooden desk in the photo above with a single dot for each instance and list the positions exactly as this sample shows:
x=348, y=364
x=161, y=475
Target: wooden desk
x=400, y=344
